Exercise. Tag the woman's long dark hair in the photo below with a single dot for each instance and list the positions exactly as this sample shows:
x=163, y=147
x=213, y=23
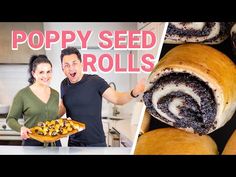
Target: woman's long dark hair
x=34, y=61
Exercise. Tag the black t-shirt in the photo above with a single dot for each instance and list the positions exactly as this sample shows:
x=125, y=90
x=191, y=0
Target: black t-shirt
x=83, y=103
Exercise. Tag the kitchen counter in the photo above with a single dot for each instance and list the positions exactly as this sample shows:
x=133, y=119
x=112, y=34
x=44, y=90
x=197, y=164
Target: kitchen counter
x=36, y=150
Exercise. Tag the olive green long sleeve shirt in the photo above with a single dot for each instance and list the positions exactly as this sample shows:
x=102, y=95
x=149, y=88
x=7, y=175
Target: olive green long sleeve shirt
x=33, y=109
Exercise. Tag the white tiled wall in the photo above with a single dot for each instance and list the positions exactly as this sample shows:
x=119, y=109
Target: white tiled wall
x=12, y=79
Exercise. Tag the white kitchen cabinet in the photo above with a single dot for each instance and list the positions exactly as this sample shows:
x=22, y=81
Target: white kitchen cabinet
x=159, y=29
x=124, y=141
x=127, y=132
x=113, y=136
x=106, y=127
x=109, y=124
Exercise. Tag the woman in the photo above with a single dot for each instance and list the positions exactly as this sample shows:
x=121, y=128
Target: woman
x=36, y=102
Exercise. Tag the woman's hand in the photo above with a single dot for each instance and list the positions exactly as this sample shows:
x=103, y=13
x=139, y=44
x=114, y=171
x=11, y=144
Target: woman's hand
x=24, y=132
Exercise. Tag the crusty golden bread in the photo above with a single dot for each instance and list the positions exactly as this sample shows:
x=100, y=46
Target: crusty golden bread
x=211, y=66
x=230, y=147
x=172, y=141
x=145, y=122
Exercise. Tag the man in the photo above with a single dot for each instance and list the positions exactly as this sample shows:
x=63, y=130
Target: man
x=81, y=99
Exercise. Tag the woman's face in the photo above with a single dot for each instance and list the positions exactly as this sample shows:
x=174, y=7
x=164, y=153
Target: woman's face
x=43, y=74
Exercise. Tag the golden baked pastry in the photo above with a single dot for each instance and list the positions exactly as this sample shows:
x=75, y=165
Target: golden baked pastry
x=51, y=131
x=230, y=147
x=193, y=87
x=172, y=141
x=145, y=122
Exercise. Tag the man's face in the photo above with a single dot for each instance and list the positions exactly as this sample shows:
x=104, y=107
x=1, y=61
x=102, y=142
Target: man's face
x=72, y=67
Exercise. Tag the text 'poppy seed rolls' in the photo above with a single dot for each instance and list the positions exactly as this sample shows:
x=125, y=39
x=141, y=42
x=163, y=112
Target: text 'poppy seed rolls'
x=193, y=87
x=202, y=32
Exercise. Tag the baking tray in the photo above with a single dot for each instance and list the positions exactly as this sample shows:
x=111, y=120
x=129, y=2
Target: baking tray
x=222, y=134
x=51, y=139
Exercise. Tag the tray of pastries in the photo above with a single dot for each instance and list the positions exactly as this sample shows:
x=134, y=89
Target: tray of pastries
x=51, y=131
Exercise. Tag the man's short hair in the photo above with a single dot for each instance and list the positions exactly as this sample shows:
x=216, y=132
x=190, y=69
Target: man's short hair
x=69, y=51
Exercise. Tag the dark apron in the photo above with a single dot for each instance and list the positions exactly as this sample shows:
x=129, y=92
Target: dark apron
x=32, y=142
x=82, y=144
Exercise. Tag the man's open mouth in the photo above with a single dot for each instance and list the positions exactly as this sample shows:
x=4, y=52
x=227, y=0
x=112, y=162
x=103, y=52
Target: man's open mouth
x=73, y=74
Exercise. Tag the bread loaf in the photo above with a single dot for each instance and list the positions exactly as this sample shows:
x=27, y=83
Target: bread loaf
x=172, y=141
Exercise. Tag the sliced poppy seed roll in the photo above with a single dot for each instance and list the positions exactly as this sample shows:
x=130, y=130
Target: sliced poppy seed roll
x=193, y=87
x=196, y=32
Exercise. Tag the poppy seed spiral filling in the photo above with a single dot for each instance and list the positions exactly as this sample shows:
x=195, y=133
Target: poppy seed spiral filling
x=205, y=32
x=182, y=100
